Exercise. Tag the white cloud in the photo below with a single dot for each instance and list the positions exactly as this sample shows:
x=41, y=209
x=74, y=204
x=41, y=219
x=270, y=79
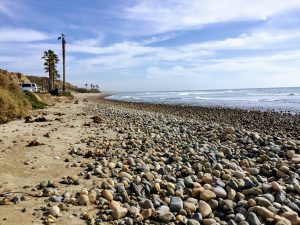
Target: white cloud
x=161, y=38
x=92, y=42
x=256, y=40
x=130, y=54
x=191, y=66
x=14, y=10
x=176, y=72
x=272, y=70
x=283, y=63
x=118, y=48
x=21, y=35
x=7, y=59
x=171, y=15
x=5, y=10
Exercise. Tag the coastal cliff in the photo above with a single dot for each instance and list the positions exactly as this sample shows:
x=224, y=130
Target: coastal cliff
x=14, y=103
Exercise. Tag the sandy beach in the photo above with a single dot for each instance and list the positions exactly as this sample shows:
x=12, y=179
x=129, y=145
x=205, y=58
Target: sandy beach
x=109, y=162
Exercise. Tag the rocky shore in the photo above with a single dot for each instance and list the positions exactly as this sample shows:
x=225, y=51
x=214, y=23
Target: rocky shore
x=129, y=163
x=271, y=122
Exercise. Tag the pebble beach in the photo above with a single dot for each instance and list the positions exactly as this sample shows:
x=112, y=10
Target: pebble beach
x=96, y=161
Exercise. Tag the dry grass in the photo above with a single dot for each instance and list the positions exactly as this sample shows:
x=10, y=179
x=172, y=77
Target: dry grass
x=13, y=102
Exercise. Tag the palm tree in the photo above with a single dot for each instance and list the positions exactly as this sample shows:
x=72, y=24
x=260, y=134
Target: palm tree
x=86, y=87
x=55, y=76
x=51, y=59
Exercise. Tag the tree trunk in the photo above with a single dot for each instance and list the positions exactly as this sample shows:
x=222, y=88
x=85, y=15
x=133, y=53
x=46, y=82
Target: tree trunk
x=50, y=80
x=50, y=77
x=53, y=81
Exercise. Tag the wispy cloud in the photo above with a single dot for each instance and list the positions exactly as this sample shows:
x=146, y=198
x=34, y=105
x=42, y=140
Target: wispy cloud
x=271, y=70
x=92, y=42
x=13, y=10
x=21, y=35
x=255, y=40
x=127, y=56
x=171, y=15
x=5, y=9
x=161, y=38
x=278, y=69
x=131, y=48
x=135, y=53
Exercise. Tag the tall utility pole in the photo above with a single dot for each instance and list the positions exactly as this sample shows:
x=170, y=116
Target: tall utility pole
x=63, y=44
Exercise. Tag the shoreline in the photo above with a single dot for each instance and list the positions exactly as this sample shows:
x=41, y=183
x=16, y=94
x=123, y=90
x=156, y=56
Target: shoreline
x=245, y=108
x=212, y=106
x=282, y=100
x=105, y=162
x=255, y=120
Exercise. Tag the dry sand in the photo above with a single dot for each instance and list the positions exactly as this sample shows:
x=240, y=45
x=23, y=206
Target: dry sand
x=27, y=166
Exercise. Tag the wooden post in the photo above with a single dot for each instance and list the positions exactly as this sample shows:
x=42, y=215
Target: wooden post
x=63, y=44
x=64, y=61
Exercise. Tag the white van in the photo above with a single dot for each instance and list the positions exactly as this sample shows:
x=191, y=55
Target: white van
x=31, y=87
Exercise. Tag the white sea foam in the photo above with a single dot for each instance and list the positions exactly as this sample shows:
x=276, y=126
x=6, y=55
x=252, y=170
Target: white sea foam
x=274, y=94
x=273, y=98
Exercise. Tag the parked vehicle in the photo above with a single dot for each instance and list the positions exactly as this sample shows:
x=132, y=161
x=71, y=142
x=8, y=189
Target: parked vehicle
x=31, y=87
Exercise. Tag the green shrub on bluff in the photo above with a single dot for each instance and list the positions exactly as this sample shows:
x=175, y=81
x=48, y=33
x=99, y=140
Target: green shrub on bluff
x=35, y=103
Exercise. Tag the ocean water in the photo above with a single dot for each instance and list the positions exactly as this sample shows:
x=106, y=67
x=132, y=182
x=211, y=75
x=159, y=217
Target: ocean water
x=278, y=99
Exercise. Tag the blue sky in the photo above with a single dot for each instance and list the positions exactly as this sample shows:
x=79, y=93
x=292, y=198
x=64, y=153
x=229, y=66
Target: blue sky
x=152, y=45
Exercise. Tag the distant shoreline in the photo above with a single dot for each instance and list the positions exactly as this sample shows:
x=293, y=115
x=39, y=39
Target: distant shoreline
x=255, y=120
x=218, y=89
x=250, y=109
x=262, y=99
